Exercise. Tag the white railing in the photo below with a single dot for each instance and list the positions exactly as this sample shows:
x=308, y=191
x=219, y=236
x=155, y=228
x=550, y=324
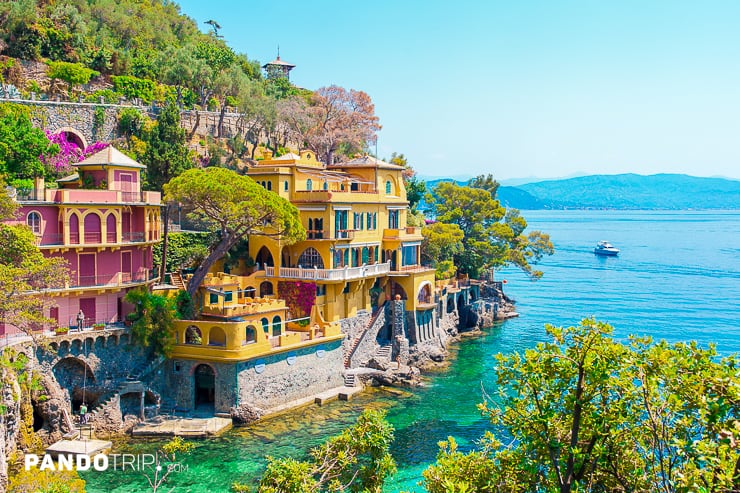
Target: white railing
x=342, y=274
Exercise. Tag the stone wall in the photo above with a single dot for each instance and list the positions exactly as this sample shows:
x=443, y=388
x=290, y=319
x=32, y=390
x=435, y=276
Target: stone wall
x=10, y=422
x=292, y=375
x=368, y=344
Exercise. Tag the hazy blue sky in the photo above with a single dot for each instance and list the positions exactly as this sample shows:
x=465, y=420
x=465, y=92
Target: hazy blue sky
x=519, y=88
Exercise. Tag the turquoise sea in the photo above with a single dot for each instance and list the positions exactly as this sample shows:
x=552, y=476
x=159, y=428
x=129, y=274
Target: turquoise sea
x=678, y=278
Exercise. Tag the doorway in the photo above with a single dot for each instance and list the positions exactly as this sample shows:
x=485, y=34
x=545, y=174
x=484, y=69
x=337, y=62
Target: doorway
x=205, y=386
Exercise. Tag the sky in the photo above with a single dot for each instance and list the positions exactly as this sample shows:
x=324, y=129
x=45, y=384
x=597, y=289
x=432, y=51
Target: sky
x=524, y=88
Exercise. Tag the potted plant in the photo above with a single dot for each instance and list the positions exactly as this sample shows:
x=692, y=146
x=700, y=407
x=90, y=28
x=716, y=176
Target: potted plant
x=60, y=331
x=98, y=326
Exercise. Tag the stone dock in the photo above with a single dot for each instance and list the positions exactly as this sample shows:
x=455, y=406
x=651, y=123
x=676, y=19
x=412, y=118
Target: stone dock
x=74, y=448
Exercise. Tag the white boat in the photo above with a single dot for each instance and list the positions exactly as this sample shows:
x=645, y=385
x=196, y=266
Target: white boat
x=606, y=248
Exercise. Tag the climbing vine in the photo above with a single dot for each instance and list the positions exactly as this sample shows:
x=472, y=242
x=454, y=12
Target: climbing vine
x=299, y=296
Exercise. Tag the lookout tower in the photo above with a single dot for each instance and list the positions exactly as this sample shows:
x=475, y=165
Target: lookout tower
x=278, y=68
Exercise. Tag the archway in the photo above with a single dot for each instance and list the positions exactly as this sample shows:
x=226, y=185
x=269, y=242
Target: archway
x=311, y=258
x=204, y=383
x=73, y=136
x=76, y=377
x=216, y=336
x=397, y=289
x=266, y=288
x=193, y=335
x=425, y=293
x=264, y=258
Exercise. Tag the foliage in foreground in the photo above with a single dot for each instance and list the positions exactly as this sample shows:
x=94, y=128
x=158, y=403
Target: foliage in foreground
x=356, y=460
x=587, y=413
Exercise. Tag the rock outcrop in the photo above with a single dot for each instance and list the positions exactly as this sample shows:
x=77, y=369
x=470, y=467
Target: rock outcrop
x=245, y=414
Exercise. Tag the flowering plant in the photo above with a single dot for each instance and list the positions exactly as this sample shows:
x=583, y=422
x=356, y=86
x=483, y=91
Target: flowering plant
x=69, y=153
x=299, y=296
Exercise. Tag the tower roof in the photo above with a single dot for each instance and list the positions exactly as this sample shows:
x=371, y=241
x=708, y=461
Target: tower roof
x=109, y=155
x=279, y=62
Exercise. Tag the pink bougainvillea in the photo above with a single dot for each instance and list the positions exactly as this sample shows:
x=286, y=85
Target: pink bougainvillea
x=69, y=153
x=299, y=296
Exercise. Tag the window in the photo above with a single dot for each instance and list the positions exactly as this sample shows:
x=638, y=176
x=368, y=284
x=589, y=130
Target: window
x=370, y=221
x=409, y=255
x=285, y=185
x=311, y=258
x=269, y=185
x=393, y=219
x=213, y=299
x=354, y=187
x=326, y=185
x=229, y=296
x=320, y=289
x=388, y=187
x=309, y=185
x=34, y=222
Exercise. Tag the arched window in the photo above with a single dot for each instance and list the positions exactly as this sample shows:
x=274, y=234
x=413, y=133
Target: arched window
x=110, y=222
x=265, y=325
x=265, y=288
x=309, y=185
x=285, y=185
x=74, y=229
x=269, y=185
x=277, y=326
x=388, y=187
x=326, y=185
x=34, y=222
x=250, y=335
x=193, y=335
x=311, y=258
x=92, y=229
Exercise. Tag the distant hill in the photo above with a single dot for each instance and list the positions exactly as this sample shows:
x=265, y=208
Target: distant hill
x=626, y=191
x=631, y=191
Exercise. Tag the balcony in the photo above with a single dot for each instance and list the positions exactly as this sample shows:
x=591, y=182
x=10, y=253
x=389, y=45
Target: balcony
x=396, y=234
x=80, y=196
x=345, y=234
x=335, y=196
x=110, y=280
x=343, y=274
x=318, y=234
x=57, y=239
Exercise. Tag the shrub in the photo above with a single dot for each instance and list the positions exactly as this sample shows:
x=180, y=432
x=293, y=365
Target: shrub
x=134, y=87
x=71, y=73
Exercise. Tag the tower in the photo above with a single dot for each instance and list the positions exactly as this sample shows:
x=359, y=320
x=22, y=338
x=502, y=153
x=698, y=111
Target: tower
x=278, y=68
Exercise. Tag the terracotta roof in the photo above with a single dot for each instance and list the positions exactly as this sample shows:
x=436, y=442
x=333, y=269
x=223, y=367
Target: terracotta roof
x=367, y=161
x=109, y=155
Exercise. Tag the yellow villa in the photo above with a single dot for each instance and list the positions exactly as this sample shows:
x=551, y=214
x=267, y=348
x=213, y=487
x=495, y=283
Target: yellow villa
x=359, y=250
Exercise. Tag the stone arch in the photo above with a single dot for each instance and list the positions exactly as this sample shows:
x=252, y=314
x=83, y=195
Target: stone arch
x=54, y=346
x=193, y=335
x=424, y=295
x=99, y=342
x=266, y=288
x=75, y=376
x=113, y=339
x=73, y=136
x=311, y=258
x=216, y=336
x=397, y=289
x=461, y=299
x=124, y=339
x=64, y=346
x=264, y=257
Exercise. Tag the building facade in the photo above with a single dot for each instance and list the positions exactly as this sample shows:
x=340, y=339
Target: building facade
x=100, y=221
x=359, y=250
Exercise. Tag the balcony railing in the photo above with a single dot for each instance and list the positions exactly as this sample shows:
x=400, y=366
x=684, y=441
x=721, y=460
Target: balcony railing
x=318, y=234
x=116, y=279
x=343, y=274
x=83, y=196
x=57, y=239
x=345, y=234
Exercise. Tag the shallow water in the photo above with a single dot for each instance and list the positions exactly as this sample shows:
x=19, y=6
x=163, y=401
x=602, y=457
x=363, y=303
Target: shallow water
x=678, y=278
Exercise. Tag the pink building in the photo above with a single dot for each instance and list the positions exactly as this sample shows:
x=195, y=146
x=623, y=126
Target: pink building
x=101, y=222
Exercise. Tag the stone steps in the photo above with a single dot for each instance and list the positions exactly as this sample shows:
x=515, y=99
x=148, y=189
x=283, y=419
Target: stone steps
x=384, y=352
x=177, y=280
x=350, y=380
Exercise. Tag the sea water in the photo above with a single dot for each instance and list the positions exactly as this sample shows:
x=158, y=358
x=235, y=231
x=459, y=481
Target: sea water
x=677, y=278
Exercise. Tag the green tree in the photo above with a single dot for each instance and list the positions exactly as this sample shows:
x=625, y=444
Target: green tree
x=24, y=273
x=485, y=182
x=73, y=74
x=21, y=144
x=153, y=320
x=166, y=157
x=493, y=237
x=357, y=460
x=588, y=413
x=235, y=206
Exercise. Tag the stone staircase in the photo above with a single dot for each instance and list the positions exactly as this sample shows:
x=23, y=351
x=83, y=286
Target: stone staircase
x=177, y=280
x=356, y=342
x=143, y=370
x=384, y=351
x=350, y=380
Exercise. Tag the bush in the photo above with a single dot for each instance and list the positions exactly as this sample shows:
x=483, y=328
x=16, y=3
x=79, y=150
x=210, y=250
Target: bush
x=445, y=270
x=134, y=87
x=71, y=73
x=109, y=96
